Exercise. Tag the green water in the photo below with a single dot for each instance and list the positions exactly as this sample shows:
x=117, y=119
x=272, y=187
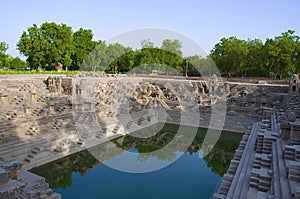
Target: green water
x=191, y=176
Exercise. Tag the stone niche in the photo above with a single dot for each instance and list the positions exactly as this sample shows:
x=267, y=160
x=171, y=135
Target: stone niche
x=59, y=85
x=294, y=84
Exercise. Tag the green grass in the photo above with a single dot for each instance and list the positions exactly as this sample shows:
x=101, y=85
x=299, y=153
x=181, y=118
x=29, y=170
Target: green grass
x=22, y=72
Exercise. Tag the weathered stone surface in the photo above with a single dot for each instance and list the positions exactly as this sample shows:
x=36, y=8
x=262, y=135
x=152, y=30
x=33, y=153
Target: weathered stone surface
x=18, y=183
x=3, y=176
x=292, y=117
x=12, y=166
x=11, y=189
x=40, y=118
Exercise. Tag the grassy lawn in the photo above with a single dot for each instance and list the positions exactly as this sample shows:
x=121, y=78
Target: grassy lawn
x=22, y=72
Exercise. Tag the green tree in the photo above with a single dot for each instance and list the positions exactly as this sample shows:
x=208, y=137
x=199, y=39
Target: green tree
x=83, y=44
x=3, y=47
x=192, y=65
x=17, y=63
x=113, y=57
x=148, y=59
x=96, y=59
x=173, y=46
x=146, y=43
x=126, y=61
x=3, y=55
x=230, y=56
x=172, y=54
x=255, y=59
x=114, y=53
x=277, y=58
x=297, y=56
x=280, y=54
x=46, y=45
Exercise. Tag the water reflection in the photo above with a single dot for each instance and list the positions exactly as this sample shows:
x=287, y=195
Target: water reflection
x=59, y=174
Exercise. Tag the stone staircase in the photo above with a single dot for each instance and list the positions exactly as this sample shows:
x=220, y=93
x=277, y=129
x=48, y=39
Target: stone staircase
x=115, y=129
x=63, y=146
x=292, y=152
x=229, y=182
x=293, y=170
x=262, y=172
x=34, y=152
x=18, y=183
x=7, y=136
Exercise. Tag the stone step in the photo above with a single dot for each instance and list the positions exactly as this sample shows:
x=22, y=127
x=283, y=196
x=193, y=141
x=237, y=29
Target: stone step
x=48, y=191
x=263, y=188
x=294, y=177
x=224, y=188
x=34, y=152
x=254, y=179
x=294, y=165
x=253, y=185
x=3, y=176
x=26, y=147
x=30, y=156
x=264, y=183
x=294, y=171
x=11, y=189
x=219, y=196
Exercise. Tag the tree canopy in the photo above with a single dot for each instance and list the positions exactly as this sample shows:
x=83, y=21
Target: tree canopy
x=276, y=58
x=8, y=61
x=83, y=45
x=51, y=43
x=46, y=45
x=118, y=58
x=3, y=47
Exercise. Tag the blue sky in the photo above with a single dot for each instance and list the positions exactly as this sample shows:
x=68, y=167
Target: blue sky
x=205, y=22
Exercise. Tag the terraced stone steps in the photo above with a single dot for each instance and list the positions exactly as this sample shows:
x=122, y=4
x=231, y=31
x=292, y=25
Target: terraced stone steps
x=275, y=172
x=36, y=187
x=11, y=189
x=231, y=175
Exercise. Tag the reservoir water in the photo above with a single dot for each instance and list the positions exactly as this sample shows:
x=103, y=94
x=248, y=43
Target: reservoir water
x=191, y=176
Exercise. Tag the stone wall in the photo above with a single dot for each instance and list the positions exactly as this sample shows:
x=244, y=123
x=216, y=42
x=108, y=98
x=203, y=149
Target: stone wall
x=43, y=120
x=40, y=118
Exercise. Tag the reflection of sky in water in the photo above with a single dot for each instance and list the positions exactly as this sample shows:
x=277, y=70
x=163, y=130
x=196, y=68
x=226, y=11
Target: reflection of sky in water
x=188, y=177
x=141, y=162
x=133, y=150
